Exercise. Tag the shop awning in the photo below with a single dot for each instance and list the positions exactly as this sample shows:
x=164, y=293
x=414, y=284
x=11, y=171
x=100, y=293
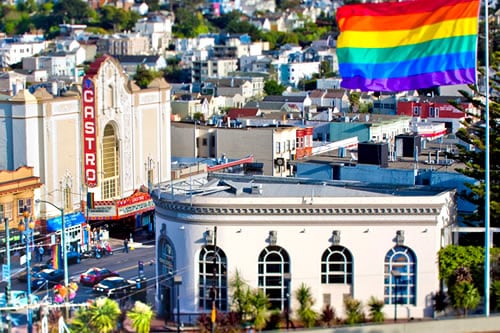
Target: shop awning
x=55, y=224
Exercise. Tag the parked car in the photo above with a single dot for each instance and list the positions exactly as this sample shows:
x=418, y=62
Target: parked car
x=95, y=275
x=18, y=298
x=22, y=276
x=114, y=287
x=48, y=275
x=74, y=257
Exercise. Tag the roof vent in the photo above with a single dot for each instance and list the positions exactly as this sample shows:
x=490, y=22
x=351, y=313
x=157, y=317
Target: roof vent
x=256, y=188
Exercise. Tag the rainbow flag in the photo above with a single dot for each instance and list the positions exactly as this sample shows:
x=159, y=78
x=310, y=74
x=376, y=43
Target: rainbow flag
x=56, y=256
x=398, y=46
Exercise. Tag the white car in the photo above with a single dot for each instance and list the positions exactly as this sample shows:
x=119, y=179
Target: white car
x=18, y=298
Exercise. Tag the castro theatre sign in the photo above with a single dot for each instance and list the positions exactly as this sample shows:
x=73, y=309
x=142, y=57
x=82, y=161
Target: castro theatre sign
x=89, y=133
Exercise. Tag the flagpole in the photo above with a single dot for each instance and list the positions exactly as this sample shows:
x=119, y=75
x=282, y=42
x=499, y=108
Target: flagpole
x=487, y=236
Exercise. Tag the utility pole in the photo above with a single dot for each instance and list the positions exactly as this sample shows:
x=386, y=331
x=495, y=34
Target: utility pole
x=9, y=286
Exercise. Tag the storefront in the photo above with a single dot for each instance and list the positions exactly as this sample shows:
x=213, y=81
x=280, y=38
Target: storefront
x=76, y=230
x=126, y=217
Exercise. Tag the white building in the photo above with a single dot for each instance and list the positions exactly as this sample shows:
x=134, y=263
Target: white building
x=107, y=137
x=290, y=74
x=13, y=51
x=158, y=28
x=340, y=240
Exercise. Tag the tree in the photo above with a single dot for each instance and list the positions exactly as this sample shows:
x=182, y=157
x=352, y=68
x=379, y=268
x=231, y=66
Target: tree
x=454, y=257
x=474, y=134
x=117, y=19
x=376, y=306
x=143, y=76
x=80, y=322
x=260, y=309
x=306, y=313
x=354, y=311
x=189, y=24
x=354, y=101
x=71, y=11
x=103, y=315
x=141, y=315
x=273, y=88
x=241, y=296
x=465, y=296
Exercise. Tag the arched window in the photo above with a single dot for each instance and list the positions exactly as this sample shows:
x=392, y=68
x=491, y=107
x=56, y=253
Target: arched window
x=274, y=266
x=110, y=164
x=336, y=265
x=400, y=276
x=213, y=278
x=166, y=257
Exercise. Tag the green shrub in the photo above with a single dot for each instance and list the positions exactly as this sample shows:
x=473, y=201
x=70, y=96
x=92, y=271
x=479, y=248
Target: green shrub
x=353, y=310
x=376, y=313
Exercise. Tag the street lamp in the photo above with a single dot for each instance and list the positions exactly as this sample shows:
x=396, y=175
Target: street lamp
x=396, y=275
x=26, y=228
x=178, y=282
x=63, y=244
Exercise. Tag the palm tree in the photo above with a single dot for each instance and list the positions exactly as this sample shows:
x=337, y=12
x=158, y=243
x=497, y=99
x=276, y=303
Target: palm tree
x=260, y=307
x=80, y=322
x=376, y=313
x=241, y=296
x=465, y=296
x=141, y=315
x=307, y=315
x=104, y=314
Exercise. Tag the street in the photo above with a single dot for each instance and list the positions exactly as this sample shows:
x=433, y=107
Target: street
x=126, y=264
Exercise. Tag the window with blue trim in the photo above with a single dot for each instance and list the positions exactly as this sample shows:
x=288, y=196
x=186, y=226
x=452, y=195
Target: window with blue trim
x=400, y=276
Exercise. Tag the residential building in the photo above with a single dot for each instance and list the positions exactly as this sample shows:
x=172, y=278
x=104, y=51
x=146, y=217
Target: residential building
x=12, y=83
x=131, y=62
x=124, y=44
x=438, y=109
x=250, y=6
x=158, y=28
x=63, y=66
x=230, y=87
x=13, y=50
x=17, y=192
x=273, y=146
x=212, y=68
x=291, y=74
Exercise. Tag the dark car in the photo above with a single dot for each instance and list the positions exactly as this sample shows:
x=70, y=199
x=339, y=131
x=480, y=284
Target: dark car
x=48, y=275
x=114, y=287
x=74, y=257
x=34, y=269
x=95, y=275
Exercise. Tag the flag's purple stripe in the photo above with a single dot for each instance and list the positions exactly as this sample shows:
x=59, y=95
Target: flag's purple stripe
x=459, y=76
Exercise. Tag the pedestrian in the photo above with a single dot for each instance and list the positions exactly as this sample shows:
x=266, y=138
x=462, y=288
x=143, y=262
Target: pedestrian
x=125, y=245
x=41, y=251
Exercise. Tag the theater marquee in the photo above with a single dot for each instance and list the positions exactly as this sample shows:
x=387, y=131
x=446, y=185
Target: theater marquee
x=137, y=203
